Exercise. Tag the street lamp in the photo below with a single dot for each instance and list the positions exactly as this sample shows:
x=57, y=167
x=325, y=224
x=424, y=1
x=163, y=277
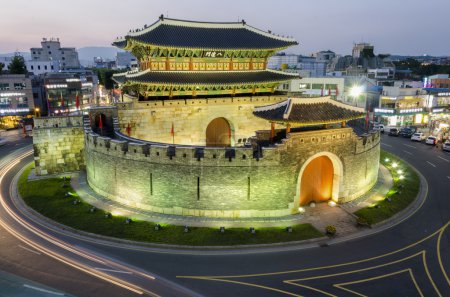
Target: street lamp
x=36, y=112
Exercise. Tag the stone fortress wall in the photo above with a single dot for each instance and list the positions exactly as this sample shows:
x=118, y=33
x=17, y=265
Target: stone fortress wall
x=227, y=182
x=58, y=144
x=153, y=120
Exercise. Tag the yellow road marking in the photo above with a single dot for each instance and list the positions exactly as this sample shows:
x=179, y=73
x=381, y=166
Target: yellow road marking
x=341, y=285
x=357, y=270
x=429, y=275
x=323, y=267
x=311, y=288
x=438, y=247
x=247, y=284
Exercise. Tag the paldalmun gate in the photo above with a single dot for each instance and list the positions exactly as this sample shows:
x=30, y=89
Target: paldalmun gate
x=200, y=130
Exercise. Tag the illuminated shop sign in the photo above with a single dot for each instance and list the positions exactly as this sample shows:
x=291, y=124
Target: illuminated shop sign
x=11, y=94
x=437, y=110
x=89, y=84
x=56, y=86
x=444, y=94
x=411, y=110
x=72, y=80
x=384, y=110
x=12, y=110
x=213, y=54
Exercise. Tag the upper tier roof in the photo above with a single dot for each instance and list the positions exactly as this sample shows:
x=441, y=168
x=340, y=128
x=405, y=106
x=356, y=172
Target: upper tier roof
x=204, y=77
x=202, y=35
x=309, y=111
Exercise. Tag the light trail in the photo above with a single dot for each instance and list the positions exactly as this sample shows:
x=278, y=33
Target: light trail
x=7, y=166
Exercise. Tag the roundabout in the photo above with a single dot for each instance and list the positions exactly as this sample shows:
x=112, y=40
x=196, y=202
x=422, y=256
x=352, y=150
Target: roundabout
x=410, y=252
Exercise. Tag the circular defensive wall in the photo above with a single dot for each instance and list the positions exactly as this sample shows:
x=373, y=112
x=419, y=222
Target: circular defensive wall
x=314, y=157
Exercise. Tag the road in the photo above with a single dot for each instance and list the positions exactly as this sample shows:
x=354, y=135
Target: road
x=409, y=259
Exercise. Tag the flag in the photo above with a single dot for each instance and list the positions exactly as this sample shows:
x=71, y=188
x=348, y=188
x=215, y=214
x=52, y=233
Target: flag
x=129, y=129
x=172, y=131
x=77, y=101
x=329, y=92
x=48, y=104
x=321, y=92
x=100, y=122
x=337, y=91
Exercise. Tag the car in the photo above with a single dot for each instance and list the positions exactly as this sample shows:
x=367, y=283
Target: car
x=446, y=146
x=406, y=132
x=431, y=140
x=379, y=127
x=418, y=136
x=393, y=132
x=3, y=141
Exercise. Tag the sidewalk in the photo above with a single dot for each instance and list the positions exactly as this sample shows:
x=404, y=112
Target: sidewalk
x=319, y=216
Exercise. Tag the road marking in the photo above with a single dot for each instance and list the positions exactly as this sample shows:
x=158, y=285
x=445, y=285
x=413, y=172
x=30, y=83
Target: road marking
x=112, y=270
x=388, y=145
x=30, y=250
x=443, y=159
x=431, y=164
x=411, y=146
x=409, y=153
x=42, y=290
x=448, y=177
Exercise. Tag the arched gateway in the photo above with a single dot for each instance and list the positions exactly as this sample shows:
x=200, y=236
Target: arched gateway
x=319, y=179
x=218, y=133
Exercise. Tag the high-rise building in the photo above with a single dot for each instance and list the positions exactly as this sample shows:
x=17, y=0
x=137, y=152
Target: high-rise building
x=60, y=58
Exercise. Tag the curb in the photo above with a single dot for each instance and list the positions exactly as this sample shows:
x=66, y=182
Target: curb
x=168, y=248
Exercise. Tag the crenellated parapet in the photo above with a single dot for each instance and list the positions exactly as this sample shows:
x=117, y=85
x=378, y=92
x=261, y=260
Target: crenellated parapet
x=227, y=181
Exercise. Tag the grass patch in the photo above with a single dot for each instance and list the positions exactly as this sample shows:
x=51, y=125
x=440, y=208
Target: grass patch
x=48, y=197
x=404, y=191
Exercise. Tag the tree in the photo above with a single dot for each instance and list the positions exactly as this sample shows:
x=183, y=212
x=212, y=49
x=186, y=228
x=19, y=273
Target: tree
x=1, y=67
x=17, y=65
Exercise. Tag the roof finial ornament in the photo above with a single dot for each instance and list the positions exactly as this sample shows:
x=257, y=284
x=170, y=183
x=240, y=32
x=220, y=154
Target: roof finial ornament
x=161, y=17
x=243, y=22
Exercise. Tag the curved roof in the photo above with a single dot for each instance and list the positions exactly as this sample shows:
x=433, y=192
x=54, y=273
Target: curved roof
x=309, y=111
x=204, y=77
x=189, y=34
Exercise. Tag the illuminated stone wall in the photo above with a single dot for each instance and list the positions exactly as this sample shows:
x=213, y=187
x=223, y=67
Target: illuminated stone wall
x=215, y=185
x=58, y=144
x=153, y=120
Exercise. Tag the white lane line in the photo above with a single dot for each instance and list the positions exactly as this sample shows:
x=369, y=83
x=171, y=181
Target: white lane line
x=112, y=270
x=431, y=164
x=448, y=177
x=386, y=144
x=42, y=290
x=409, y=153
x=411, y=146
x=443, y=159
x=30, y=250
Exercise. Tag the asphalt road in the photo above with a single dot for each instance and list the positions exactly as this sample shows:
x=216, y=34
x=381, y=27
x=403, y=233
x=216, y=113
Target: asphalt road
x=409, y=259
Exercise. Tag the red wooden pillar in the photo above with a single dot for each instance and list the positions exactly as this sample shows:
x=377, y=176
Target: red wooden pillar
x=288, y=129
x=272, y=131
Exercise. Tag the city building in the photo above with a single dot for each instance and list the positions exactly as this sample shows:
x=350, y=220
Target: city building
x=126, y=60
x=315, y=87
x=51, y=51
x=303, y=65
x=202, y=130
x=62, y=90
x=16, y=99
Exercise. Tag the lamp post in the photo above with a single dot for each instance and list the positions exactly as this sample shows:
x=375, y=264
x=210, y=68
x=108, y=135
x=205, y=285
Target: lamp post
x=36, y=112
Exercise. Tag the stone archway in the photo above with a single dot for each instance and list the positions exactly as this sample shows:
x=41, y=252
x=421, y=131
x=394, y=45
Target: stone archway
x=218, y=133
x=320, y=179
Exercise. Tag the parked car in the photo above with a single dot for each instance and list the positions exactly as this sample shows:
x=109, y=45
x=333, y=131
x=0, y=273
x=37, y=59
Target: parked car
x=393, y=132
x=446, y=146
x=379, y=127
x=3, y=141
x=431, y=140
x=406, y=132
x=418, y=136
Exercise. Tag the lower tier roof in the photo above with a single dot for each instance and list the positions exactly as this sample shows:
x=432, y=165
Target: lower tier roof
x=203, y=77
x=309, y=111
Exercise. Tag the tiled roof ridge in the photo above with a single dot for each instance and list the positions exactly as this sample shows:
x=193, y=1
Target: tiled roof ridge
x=198, y=24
